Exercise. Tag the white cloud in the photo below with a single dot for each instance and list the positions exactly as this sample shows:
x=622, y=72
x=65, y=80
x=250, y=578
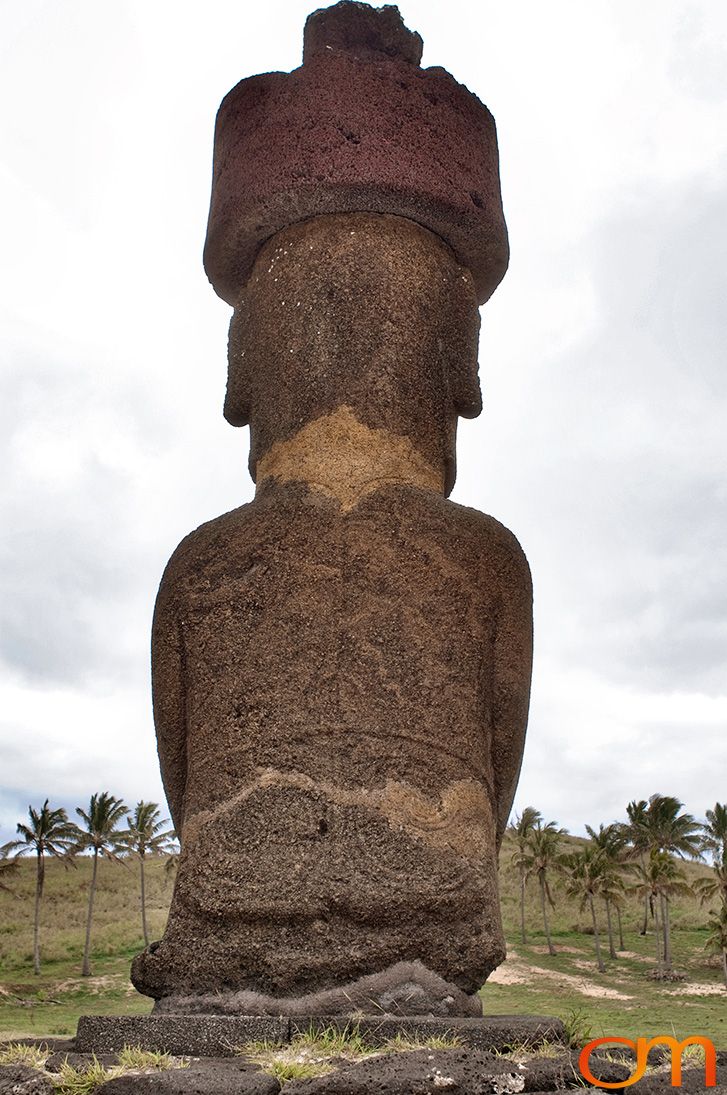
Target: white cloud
x=601, y=443
x=595, y=745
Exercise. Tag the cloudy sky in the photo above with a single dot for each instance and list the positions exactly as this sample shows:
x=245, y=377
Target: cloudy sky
x=602, y=443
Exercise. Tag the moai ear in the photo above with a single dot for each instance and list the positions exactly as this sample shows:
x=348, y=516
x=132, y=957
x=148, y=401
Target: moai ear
x=238, y=397
x=460, y=347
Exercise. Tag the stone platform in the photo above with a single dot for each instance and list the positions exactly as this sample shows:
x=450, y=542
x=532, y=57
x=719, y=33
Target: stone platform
x=221, y=1035
x=466, y=1069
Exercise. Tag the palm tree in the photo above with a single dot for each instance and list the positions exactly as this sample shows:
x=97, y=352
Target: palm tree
x=586, y=871
x=102, y=835
x=715, y=834
x=717, y=937
x=520, y=830
x=646, y=887
x=636, y=835
x=612, y=892
x=612, y=841
x=49, y=833
x=659, y=879
x=542, y=855
x=145, y=836
x=707, y=889
x=674, y=833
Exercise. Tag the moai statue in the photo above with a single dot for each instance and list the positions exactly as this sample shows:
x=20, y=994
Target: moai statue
x=341, y=668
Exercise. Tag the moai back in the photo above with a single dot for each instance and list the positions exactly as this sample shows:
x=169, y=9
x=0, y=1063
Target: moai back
x=341, y=668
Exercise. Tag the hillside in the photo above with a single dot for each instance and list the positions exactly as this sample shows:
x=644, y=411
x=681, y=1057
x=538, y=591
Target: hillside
x=622, y=1001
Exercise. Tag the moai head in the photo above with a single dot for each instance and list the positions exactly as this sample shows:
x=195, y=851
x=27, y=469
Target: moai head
x=355, y=225
x=365, y=311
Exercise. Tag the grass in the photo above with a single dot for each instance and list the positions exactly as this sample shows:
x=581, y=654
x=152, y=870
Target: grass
x=70, y=1080
x=74, y=1081
x=310, y=1052
x=51, y=1003
x=307, y=1055
x=404, y=1043
x=20, y=1053
x=523, y=1051
x=649, y=1007
x=313, y=1052
x=136, y=1059
x=334, y=1042
x=284, y=1070
x=348, y=1043
x=578, y=1030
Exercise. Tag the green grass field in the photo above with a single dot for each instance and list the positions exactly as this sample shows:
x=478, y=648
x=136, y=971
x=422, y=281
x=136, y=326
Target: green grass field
x=623, y=1001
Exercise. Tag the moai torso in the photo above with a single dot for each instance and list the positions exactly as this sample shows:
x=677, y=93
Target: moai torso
x=341, y=667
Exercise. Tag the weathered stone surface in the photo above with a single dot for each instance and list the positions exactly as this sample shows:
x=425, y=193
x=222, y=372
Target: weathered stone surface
x=217, y=1036
x=208, y=1077
x=355, y=129
x=80, y=1061
x=549, y=1074
x=200, y=1036
x=341, y=668
x=406, y=988
x=692, y=1080
x=609, y=1068
x=460, y=1071
x=21, y=1080
x=349, y=603
x=602, y=1068
x=302, y=347
x=358, y=29
x=385, y=856
x=491, y=1034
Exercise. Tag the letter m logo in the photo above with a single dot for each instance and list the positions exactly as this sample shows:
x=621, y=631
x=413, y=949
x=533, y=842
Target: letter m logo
x=641, y=1047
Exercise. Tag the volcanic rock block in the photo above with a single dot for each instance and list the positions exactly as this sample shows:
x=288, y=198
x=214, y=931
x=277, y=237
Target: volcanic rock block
x=81, y=1062
x=365, y=32
x=341, y=668
x=423, y=1071
x=359, y=127
x=209, y=1036
x=23, y=1080
x=208, y=1077
x=213, y=1036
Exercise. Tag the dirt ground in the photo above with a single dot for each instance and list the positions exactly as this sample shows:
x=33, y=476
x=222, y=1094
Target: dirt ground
x=516, y=971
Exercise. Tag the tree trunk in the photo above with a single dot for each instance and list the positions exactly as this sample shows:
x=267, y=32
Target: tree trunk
x=86, y=967
x=143, y=903
x=666, y=931
x=523, y=936
x=645, y=925
x=39, y=879
x=621, y=945
x=657, y=936
x=596, y=936
x=724, y=964
x=551, y=948
x=611, y=948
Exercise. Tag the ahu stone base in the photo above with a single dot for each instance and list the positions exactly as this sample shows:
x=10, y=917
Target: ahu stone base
x=222, y=1035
